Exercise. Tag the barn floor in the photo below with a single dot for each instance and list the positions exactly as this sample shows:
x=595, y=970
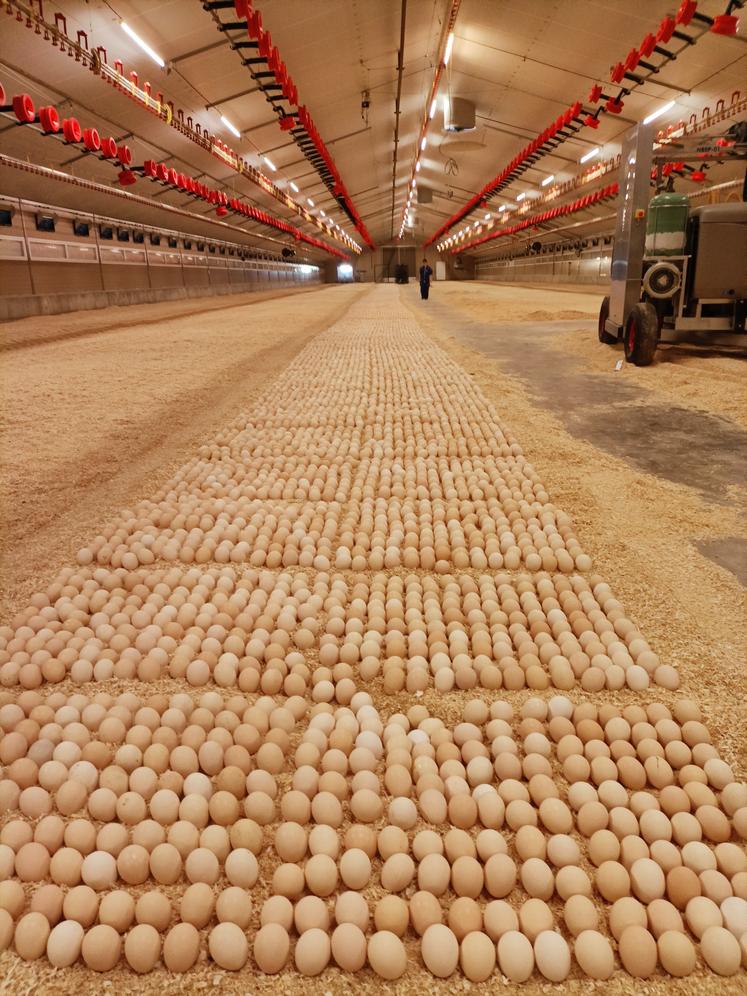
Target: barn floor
x=649, y=464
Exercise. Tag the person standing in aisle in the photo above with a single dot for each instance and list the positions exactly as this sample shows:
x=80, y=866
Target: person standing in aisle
x=425, y=279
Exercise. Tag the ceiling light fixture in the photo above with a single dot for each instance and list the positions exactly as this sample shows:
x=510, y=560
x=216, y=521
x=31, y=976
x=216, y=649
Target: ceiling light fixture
x=293, y=186
x=521, y=197
x=589, y=155
x=657, y=114
x=231, y=127
x=270, y=163
x=143, y=45
x=310, y=202
x=449, y=46
x=548, y=179
x=445, y=46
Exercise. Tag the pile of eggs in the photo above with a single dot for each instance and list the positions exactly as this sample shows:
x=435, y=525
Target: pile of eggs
x=494, y=631
x=370, y=524
x=260, y=630
x=372, y=450
x=156, y=830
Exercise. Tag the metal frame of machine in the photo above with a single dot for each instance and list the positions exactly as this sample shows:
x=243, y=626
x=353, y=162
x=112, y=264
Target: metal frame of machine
x=651, y=299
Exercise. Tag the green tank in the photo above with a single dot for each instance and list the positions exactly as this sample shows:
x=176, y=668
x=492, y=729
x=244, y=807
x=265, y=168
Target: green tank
x=666, y=225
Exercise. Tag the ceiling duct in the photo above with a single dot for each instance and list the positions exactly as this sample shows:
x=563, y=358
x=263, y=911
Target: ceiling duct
x=459, y=115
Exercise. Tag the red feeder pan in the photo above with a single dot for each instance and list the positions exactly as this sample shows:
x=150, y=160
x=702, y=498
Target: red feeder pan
x=91, y=140
x=49, y=119
x=108, y=148
x=71, y=130
x=725, y=24
x=127, y=178
x=23, y=108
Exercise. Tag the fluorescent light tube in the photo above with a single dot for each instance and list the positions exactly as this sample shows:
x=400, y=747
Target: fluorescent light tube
x=231, y=127
x=143, y=45
x=658, y=113
x=449, y=46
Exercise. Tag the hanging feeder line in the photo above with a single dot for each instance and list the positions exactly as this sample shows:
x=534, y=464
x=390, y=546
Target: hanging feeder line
x=96, y=61
x=540, y=219
x=590, y=175
x=626, y=77
x=46, y=173
x=71, y=132
x=664, y=137
x=437, y=76
x=270, y=74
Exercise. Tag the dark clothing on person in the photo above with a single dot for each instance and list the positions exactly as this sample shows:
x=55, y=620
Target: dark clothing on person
x=425, y=280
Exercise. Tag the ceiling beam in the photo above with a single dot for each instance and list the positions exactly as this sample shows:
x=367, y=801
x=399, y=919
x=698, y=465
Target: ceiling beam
x=191, y=55
x=234, y=96
x=397, y=99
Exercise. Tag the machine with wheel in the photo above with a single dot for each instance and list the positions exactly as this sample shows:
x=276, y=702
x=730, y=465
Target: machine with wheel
x=678, y=275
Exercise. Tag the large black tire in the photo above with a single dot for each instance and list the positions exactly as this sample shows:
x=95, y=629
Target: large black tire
x=641, y=334
x=605, y=337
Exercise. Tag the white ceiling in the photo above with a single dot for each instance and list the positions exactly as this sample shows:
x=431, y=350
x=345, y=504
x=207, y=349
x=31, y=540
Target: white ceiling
x=521, y=61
